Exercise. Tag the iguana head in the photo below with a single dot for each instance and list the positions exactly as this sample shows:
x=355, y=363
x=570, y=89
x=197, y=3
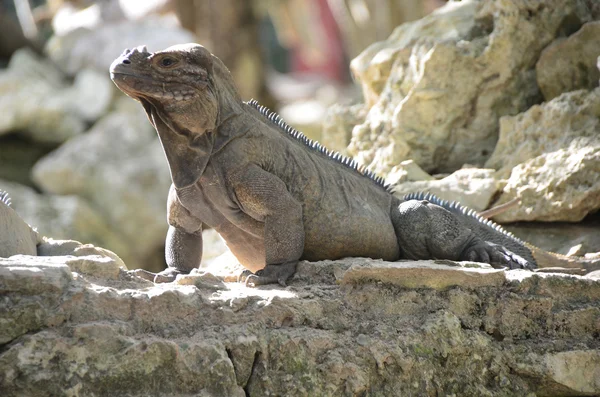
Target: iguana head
x=187, y=93
x=184, y=83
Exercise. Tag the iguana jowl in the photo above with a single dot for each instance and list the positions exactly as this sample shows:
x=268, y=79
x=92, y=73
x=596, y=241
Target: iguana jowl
x=275, y=196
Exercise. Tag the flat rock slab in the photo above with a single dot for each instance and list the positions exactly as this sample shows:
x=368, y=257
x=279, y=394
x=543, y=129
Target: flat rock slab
x=72, y=325
x=424, y=274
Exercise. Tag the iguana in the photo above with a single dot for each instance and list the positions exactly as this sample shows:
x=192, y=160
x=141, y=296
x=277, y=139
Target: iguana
x=275, y=196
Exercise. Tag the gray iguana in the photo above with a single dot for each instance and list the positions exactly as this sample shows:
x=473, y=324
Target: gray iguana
x=275, y=196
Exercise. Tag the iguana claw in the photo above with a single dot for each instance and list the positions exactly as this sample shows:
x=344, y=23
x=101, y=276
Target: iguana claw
x=271, y=274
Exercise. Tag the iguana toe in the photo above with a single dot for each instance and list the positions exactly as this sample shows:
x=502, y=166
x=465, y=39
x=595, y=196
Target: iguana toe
x=271, y=274
x=166, y=276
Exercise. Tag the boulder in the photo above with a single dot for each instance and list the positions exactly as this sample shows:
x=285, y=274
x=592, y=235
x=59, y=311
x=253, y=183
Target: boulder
x=569, y=64
x=472, y=187
x=120, y=169
x=436, y=87
x=550, y=156
x=338, y=123
x=341, y=328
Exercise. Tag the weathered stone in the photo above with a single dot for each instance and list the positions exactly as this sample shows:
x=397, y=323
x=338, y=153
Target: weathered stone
x=82, y=335
x=407, y=170
x=120, y=168
x=444, y=116
x=570, y=119
x=569, y=64
x=472, y=187
x=424, y=274
x=65, y=217
x=338, y=124
x=552, y=154
x=555, y=186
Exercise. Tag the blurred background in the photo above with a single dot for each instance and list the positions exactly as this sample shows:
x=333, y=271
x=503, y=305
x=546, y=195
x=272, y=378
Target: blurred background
x=79, y=158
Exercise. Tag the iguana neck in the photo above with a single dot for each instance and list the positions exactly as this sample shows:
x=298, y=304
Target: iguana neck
x=189, y=152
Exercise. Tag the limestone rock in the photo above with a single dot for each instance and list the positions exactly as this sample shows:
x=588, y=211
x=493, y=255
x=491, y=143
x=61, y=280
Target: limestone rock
x=557, y=186
x=406, y=171
x=64, y=217
x=437, y=87
x=119, y=167
x=82, y=334
x=551, y=156
x=472, y=187
x=569, y=64
x=83, y=48
x=338, y=124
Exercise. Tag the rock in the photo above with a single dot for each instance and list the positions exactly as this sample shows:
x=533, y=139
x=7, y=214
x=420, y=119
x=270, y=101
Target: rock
x=551, y=156
x=444, y=116
x=472, y=187
x=406, y=171
x=119, y=167
x=554, y=186
x=563, y=238
x=338, y=123
x=32, y=102
x=16, y=236
x=569, y=64
x=82, y=48
x=64, y=217
x=546, y=128
x=424, y=274
x=90, y=95
x=527, y=335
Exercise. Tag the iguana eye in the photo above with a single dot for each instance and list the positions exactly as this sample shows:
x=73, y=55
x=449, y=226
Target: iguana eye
x=167, y=61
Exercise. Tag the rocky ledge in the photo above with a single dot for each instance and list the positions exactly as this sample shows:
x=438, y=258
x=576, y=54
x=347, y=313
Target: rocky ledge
x=76, y=323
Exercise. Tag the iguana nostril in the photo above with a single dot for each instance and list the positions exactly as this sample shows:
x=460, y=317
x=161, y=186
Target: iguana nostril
x=126, y=61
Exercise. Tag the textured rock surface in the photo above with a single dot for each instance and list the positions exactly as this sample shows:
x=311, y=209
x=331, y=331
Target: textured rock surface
x=340, y=329
x=551, y=157
x=437, y=87
x=338, y=124
x=570, y=64
x=118, y=167
x=473, y=187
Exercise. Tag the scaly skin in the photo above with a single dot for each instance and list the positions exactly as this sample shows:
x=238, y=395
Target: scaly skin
x=273, y=195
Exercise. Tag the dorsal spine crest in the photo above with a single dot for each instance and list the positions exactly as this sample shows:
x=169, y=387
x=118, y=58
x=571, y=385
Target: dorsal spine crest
x=316, y=146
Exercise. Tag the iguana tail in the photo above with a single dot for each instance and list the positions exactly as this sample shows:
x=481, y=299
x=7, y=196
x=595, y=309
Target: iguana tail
x=552, y=259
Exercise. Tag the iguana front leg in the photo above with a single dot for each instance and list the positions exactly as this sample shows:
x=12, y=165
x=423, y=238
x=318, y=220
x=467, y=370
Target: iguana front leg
x=265, y=198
